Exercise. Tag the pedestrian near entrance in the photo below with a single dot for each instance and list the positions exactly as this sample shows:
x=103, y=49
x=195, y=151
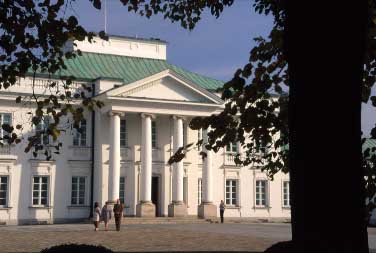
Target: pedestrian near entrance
x=105, y=215
x=118, y=213
x=96, y=215
x=222, y=209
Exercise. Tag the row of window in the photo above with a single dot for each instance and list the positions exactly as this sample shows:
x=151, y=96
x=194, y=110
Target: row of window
x=41, y=185
x=78, y=191
x=80, y=135
x=261, y=193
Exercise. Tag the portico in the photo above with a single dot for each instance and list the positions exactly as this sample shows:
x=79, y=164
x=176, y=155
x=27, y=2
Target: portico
x=129, y=100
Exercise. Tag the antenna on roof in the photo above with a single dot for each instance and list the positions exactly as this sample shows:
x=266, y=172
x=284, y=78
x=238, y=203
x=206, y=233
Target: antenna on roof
x=105, y=16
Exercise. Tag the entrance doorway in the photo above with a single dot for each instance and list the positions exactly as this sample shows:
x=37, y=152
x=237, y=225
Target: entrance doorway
x=155, y=194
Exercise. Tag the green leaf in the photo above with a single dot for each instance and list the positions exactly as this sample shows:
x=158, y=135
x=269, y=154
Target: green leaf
x=97, y=4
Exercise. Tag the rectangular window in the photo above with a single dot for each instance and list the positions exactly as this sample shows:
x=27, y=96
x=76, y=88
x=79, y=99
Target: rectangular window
x=122, y=190
x=79, y=138
x=231, y=192
x=185, y=190
x=184, y=134
x=4, y=190
x=199, y=137
x=153, y=134
x=123, y=133
x=286, y=193
x=5, y=118
x=40, y=191
x=232, y=147
x=199, y=191
x=261, y=193
x=78, y=191
x=41, y=130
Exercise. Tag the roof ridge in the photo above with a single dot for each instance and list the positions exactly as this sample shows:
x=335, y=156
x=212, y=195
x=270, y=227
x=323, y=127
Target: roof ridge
x=196, y=73
x=126, y=56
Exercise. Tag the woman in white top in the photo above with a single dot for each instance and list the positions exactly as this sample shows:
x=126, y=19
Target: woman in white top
x=96, y=215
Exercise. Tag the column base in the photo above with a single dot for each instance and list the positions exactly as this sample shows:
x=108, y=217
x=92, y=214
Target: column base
x=177, y=209
x=110, y=205
x=207, y=210
x=145, y=209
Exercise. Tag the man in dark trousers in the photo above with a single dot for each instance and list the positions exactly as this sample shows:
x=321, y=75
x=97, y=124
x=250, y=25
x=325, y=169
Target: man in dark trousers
x=222, y=210
x=118, y=213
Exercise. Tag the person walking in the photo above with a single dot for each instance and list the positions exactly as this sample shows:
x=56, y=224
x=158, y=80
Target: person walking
x=222, y=209
x=106, y=216
x=118, y=213
x=96, y=215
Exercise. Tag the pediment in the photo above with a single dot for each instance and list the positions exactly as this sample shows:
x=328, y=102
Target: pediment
x=165, y=86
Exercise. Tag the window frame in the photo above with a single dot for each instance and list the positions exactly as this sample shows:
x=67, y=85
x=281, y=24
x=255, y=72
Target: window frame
x=232, y=148
x=123, y=134
x=185, y=190
x=154, y=134
x=6, y=190
x=77, y=197
x=2, y=131
x=185, y=134
x=199, y=191
x=43, y=128
x=122, y=199
x=231, y=192
x=258, y=195
x=39, y=204
x=288, y=194
x=78, y=136
x=199, y=137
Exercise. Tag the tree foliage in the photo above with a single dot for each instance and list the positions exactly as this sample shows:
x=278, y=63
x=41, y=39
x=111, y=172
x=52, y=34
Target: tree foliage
x=33, y=34
x=256, y=98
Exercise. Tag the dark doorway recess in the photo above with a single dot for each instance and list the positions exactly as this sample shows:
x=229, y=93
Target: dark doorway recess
x=155, y=194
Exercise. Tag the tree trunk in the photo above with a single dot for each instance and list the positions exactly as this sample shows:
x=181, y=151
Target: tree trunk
x=324, y=45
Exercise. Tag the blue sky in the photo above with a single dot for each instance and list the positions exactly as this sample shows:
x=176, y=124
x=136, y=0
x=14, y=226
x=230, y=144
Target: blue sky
x=215, y=48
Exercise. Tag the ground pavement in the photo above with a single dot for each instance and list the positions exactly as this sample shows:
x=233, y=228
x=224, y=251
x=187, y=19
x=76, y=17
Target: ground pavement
x=151, y=237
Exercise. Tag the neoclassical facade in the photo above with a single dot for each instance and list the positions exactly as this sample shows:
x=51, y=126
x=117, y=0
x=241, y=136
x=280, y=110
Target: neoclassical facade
x=123, y=148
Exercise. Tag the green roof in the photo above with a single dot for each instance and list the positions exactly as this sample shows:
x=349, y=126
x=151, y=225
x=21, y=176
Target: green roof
x=369, y=143
x=91, y=66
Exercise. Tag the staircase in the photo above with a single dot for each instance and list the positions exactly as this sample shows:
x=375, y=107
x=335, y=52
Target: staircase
x=162, y=220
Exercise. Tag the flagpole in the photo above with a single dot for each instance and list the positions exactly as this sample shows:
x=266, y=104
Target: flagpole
x=105, y=16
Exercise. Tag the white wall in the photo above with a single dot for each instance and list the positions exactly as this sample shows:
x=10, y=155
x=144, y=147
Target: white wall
x=132, y=47
x=21, y=167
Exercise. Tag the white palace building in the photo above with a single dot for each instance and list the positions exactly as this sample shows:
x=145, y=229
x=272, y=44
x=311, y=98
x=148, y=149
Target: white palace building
x=124, y=147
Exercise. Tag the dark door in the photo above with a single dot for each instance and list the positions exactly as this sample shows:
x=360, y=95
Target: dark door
x=155, y=194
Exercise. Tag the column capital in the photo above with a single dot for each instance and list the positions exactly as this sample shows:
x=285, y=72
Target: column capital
x=116, y=113
x=147, y=115
x=178, y=117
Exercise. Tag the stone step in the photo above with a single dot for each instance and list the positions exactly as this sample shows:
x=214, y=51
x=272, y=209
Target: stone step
x=127, y=220
x=160, y=220
x=195, y=220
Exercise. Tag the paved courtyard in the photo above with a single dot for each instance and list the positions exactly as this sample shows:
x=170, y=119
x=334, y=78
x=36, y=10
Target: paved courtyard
x=153, y=237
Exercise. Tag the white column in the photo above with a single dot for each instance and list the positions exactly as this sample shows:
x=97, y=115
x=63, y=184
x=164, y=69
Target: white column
x=178, y=171
x=146, y=159
x=207, y=194
x=114, y=171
